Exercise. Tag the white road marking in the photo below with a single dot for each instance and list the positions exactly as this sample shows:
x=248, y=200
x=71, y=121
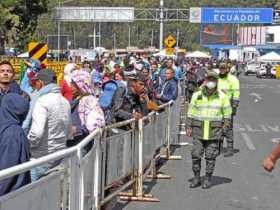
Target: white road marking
x=275, y=140
x=248, y=141
x=256, y=95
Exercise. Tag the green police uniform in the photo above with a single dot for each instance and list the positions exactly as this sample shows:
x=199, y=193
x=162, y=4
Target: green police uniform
x=208, y=116
x=231, y=87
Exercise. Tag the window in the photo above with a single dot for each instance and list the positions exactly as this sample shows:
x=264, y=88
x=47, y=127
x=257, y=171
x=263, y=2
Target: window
x=269, y=37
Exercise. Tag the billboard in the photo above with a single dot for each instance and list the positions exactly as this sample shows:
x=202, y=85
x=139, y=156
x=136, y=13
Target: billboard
x=94, y=14
x=231, y=15
x=251, y=35
x=212, y=34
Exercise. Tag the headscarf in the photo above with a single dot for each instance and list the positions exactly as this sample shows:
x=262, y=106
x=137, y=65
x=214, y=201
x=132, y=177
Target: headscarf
x=13, y=110
x=14, y=146
x=90, y=113
x=69, y=68
x=83, y=80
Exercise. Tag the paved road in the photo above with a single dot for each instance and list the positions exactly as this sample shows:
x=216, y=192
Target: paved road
x=239, y=182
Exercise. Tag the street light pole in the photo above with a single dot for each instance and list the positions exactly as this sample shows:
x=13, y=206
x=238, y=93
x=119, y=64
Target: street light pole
x=94, y=37
x=161, y=19
x=58, y=36
x=178, y=36
x=152, y=39
x=129, y=36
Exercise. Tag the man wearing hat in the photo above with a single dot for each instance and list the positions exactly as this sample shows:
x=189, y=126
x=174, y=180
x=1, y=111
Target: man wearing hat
x=134, y=103
x=229, y=84
x=50, y=121
x=207, y=118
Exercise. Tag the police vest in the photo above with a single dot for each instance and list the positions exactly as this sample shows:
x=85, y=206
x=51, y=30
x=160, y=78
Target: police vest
x=230, y=86
x=207, y=114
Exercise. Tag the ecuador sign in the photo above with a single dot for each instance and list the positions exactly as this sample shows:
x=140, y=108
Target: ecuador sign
x=231, y=15
x=236, y=15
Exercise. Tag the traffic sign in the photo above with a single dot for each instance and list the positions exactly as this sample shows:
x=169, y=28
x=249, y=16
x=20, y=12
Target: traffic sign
x=38, y=51
x=169, y=51
x=170, y=41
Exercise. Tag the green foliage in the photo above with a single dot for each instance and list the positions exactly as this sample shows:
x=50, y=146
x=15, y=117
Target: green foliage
x=19, y=21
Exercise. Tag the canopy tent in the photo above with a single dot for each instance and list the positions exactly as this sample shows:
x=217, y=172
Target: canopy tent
x=272, y=56
x=198, y=54
x=162, y=54
x=23, y=55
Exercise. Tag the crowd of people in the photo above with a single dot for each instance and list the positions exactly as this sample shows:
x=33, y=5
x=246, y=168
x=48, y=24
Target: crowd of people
x=43, y=114
x=40, y=115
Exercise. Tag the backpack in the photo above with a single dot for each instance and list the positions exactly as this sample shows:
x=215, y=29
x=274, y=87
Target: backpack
x=111, y=99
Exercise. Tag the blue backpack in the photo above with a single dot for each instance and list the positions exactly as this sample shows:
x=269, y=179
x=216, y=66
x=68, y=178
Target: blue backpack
x=108, y=90
x=110, y=99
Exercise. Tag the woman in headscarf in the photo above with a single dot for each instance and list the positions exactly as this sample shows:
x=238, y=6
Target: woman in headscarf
x=86, y=114
x=14, y=146
x=66, y=82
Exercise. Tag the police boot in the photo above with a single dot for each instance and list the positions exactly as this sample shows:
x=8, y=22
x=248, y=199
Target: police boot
x=196, y=166
x=195, y=181
x=229, y=152
x=207, y=183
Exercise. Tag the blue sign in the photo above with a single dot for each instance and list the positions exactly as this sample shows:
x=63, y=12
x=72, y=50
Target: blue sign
x=236, y=15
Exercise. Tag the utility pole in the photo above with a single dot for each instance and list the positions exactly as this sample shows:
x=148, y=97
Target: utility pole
x=99, y=38
x=58, y=36
x=152, y=38
x=114, y=40
x=94, y=37
x=178, y=37
x=129, y=36
x=161, y=19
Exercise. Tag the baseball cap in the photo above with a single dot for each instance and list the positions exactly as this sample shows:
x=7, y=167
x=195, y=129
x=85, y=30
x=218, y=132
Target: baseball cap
x=212, y=74
x=46, y=75
x=223, y=65
x=139, y=77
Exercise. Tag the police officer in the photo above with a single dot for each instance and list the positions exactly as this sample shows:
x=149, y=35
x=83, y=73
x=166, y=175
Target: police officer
x=229, y=84
x=208, y=116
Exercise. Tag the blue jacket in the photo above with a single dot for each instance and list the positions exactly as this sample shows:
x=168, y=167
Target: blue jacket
x=178, y=74
x=14, y=146
x=168, y=91
x=13, y=88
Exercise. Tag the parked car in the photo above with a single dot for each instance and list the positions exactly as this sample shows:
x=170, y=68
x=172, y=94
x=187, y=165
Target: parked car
x=251, y=68
x=263, y=73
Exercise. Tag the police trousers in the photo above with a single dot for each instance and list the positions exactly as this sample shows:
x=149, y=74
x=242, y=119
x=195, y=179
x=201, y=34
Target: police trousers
x=210, y=149
x=229, y=134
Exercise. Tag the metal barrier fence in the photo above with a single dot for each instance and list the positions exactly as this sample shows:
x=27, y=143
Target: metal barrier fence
x=82, y=180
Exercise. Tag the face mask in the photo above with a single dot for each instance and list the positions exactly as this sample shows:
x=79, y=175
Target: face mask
x=211, y=85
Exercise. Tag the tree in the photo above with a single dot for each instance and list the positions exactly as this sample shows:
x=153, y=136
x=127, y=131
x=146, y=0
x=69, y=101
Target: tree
x=19, y=17
x=7, y=21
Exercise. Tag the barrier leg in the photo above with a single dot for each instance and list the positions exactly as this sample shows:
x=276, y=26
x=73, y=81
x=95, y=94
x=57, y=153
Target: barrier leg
x=156, y=174
x=168, y=155
x=137, y=192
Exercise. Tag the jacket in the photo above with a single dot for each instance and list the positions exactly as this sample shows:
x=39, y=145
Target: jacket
x=51, y=124
x=231, y=87
x=13, y=88
x=14, y=146
x=169, y=91
x=35, y=95
x=66, y=90
x=208, y=116
x=126, y=105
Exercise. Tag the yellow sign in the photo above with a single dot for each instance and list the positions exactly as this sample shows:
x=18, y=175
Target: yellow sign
x=38, y=51
x=170, y=41
x=169, y=51
x=277, y=72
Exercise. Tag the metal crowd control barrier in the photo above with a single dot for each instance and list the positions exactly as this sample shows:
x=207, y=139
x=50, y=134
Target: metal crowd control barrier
x=119, y=160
